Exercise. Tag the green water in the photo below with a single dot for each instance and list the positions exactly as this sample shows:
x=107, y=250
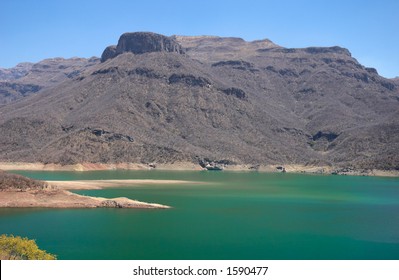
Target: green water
x=229, y=216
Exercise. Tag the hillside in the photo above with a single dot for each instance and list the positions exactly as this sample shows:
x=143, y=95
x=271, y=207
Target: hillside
x=14, y=182
x=171, y=99
x=28, y=78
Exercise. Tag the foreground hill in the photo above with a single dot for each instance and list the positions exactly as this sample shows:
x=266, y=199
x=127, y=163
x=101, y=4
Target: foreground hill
x=14, y=182
x=172, y=99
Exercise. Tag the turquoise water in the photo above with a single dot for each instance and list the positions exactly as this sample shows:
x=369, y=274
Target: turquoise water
x=231, y=215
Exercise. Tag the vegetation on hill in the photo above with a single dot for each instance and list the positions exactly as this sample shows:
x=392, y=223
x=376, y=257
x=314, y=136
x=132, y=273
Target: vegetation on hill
x=17, y=182
x=18, y=248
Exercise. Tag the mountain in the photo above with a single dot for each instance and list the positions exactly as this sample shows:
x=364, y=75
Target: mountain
x=17, y=72
x=203, y=98
x=28, y=78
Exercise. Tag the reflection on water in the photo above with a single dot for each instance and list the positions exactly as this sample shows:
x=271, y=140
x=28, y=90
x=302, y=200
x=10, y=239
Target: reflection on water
x=230, y=216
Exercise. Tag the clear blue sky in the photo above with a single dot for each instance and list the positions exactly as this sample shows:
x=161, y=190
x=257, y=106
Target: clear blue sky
x=34, y=30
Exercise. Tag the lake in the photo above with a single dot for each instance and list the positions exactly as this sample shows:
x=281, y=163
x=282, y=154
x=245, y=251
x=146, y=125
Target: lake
x=230, y=215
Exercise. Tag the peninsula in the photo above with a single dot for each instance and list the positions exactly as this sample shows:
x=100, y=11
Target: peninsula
x=20, y=192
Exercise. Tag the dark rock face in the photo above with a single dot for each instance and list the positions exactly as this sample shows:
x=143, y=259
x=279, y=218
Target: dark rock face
x=236, y=92
x=329, y=136
x=109, y=203
x=106, y=71
x=189, y=80
x=110, y=136
x=388, y=85
x=11, y=91
x=145, y=72
x=22, y=88
x=142, y=42
x=336, y=49
x=108, y=53
x=236, y=64
x=371, y=70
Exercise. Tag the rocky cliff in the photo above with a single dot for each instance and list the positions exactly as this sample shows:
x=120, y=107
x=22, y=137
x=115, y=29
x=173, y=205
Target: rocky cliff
x=141, y=42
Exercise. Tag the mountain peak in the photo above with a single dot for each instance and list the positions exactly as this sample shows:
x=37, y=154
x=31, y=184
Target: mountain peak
x=142, y=42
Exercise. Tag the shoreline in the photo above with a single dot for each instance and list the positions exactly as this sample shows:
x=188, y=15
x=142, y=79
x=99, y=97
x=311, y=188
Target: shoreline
x=58, y=198
x=57, y=194
x=102, y=184
x=20, y=192
x=189, y=166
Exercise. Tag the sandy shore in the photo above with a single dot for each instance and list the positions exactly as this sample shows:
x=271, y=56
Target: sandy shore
x=54, y=198
x=289, y=168
x=95, y=166
x=100, y=184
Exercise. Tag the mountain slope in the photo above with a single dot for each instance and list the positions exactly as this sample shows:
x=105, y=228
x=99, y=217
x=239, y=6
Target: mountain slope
x=28, y=78
x=168, y=99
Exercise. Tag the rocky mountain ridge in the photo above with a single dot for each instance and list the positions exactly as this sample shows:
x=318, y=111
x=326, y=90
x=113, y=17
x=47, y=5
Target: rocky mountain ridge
x=16, y=72
x=31, y=78
x=168, y=99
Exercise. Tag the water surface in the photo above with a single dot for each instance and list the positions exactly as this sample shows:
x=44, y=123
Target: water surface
x=231, y=215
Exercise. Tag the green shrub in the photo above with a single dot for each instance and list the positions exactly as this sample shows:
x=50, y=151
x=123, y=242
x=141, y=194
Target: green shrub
x=18, y=248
